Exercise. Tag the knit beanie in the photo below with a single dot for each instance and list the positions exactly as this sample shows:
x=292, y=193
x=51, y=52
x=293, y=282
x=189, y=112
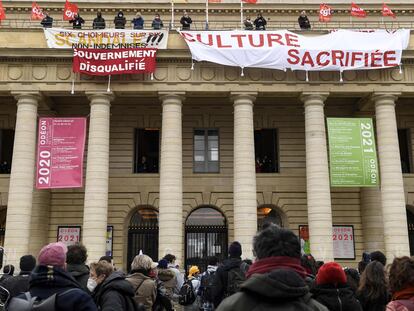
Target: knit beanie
x=331, y=273
x=53, y=254
x=27, y=263
x=235, y=250
x=163, y=264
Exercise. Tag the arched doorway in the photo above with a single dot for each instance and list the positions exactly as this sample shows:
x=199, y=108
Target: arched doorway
x=410, y=225
x=205, y=236
x=268, y=214
x=143, y=234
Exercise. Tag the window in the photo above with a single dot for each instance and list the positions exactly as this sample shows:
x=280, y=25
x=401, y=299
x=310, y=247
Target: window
x=147, y=150
x=404, y=140
x=6, y=150
x=266, y=151
x=206, y=151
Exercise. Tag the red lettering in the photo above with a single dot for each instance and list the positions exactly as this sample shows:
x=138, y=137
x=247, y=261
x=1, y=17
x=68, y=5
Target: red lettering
x=375, y=57
x=220, y=44
x=261, y=43
x=239, y=39
x=318, y=59
x=390, y=56
x=337, y=56
x=307, y=60
x=274, y=37
x=293, y=58
x=188, y=37
x=291, y=39
x=210, y=39
x=356, y=57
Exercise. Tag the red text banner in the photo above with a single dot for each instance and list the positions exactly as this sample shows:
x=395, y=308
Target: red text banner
x=61, y=145
x=114, y=62
x=339, y=50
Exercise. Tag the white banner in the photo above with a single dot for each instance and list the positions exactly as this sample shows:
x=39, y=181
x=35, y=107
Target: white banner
x=339, y=50
x=58, y=38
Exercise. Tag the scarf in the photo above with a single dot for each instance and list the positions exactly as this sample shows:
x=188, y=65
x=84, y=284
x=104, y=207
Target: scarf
x=405, y=293
x=268, y=264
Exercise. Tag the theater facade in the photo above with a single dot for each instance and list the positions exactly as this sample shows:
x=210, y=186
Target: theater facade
x=190, y=160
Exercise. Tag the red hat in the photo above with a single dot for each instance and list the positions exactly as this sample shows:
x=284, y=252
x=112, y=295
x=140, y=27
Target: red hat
x=331, y=273
x=53, y=254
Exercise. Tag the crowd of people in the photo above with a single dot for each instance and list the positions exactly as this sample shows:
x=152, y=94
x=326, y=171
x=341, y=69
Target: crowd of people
x=138, y=22
x=280, y=278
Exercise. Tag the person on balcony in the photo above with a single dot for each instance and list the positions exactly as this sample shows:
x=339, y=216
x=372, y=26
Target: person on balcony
x=47, y=21
x=260, y=22
x=248, y=24
x=186, y=21
x=138, y=21
x=120, y=20
x=157, y=23
x=303, y=21
x=99, y=21
x=77, y=21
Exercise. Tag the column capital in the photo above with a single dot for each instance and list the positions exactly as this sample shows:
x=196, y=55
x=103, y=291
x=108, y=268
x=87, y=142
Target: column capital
x=171, y=97
x=100, y=97
x=243, y=98
x=314, y=98
x=31, y=97
x=385, y=98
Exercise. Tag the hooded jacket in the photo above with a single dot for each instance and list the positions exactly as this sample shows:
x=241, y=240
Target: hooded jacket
x=80, y=273
x=169, y=280
x=303, y=22
x=281, y=289
x=340, y=298
x=144, y=289
x=98, y=22
x=113, y=294
x=120, y=21
x=17, y=284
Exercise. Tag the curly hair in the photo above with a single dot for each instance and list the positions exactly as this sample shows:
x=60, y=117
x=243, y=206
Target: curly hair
x=373, y=283
x=401, y=273
x=102, y=268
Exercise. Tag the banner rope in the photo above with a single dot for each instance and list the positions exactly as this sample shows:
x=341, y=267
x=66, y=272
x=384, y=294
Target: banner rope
x=109, y=84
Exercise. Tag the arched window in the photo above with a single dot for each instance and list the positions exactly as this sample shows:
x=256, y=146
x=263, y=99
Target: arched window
x=206, y=216
x=266, y=215
x=144, y=218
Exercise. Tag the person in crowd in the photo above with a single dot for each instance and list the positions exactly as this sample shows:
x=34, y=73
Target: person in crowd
x=246, y=263
x=308, y=262
x=47, y=21
x=366, y=259
x=99, y=21
x=352, y=278
x=20, y=283
x=8, y=271
x=401, y=284
x=109, y=288
x=108, y=259
x=205, y=290
x=194, y=277
x=303, y=21
x=166, y=282
x=248, y=25
x=276, y=281
x=379, y=256
x=319, y=264
x=168, y=278
x=76, y=264
x=157, y=23
x=171, y=265
x=373, y=292
x=186, y=21
x=230, y=276
x=77, y=21
x=50, y=277
x=120, y=20
x=138, y=21
x=260, y=22
x=332, y=290
x=145, y=288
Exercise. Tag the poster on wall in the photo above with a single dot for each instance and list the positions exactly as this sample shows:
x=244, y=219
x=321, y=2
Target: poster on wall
x=69, y=235
x=352, y=152
x=60, y=151
x=109, y=240
x=304, y=240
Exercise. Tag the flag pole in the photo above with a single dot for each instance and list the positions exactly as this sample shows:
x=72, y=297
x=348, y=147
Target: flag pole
x=206, y=14
x=241, y=14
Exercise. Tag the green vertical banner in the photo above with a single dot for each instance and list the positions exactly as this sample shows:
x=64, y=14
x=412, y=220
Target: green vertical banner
x=352, y=152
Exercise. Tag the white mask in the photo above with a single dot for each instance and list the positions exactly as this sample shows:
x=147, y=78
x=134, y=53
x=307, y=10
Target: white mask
x=91, y=284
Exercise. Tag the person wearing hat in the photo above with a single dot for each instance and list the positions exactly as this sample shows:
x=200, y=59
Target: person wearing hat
x=20, y=283
x=168, y=279
x=332, y=289
x=144, y=286
x=194, y=277
x=49, y=277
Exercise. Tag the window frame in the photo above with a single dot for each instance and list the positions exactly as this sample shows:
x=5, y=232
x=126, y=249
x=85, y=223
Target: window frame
x=206, y=151
x=136, y=150
x=276, y=148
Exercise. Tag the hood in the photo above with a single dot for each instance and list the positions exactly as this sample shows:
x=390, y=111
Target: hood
x=77, y=270
x=50, y=277
x=280, y=284
x=165, y=275
x=120, y=14
x=231, y=263
x=116, y=281
x=211, y=269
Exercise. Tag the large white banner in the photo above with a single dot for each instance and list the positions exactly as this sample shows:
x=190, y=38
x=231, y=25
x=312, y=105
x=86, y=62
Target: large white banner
x=339, y=50
x=58, y=38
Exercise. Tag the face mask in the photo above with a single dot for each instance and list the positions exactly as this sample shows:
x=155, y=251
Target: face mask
x=91, y=284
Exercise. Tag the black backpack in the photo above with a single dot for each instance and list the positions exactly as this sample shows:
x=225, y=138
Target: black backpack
x=186, y=296
x=207, y=286
x=235, y=278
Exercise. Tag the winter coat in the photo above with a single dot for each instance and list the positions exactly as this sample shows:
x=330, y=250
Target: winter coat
x=46, y=281
x=120, y=21
x=80, y=273
x=4, y=277
x=281, y=289
x=186, y=22
x=99, y=23
x=145, y=289
x=221, y=278
x=340, y=298
x=77, y=22
x=157, y=24
x=304, y=22
x=17, y=284
x=260, y=23
x=179, y=276
x=138, y=23
x=376, y=305
x=401, y=305
x=47, y=22
x=169, y=281
x=248, y=24
x=113, y=293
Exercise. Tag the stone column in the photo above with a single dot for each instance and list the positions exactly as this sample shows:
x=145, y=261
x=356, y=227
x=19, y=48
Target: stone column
x=317, y=178
x=171, y=178
x=244, y=184
x=95, y=212
x=392, y=186
x=39, y=231
x=19, y=206
x=371, y=216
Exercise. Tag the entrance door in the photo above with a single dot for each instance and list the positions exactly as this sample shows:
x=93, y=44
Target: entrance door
x=410, y=223
x=143, y=234
x=205, y=236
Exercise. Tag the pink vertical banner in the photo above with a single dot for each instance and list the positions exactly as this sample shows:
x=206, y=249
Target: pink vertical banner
x=61, y=146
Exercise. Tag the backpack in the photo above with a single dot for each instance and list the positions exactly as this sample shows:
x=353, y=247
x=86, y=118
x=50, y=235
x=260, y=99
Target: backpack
x=186, y=295
x=162, y=301
x=29, y=303
x=235, y=278
x=207, y=287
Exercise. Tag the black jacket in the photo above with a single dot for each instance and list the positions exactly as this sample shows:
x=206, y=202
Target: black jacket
x=221, y=278
x=260, y=23
x=17, y=284
x=340, y=298
x=120, y=21
x=304, y=22
x=99, y=23
x=80, y=273
x=281, y=289
x=186, y=22
x=47, y=22
x=77, y=22
x=115, y=294
x=373, y=305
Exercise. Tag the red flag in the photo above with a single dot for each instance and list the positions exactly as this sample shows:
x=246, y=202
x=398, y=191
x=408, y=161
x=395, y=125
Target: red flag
x=357, y=11
x=37, y=12
x=69, y=11
x=386, y=11
x=214, y=1
x=325, y=13
x=250, y=1
x=2, y=12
